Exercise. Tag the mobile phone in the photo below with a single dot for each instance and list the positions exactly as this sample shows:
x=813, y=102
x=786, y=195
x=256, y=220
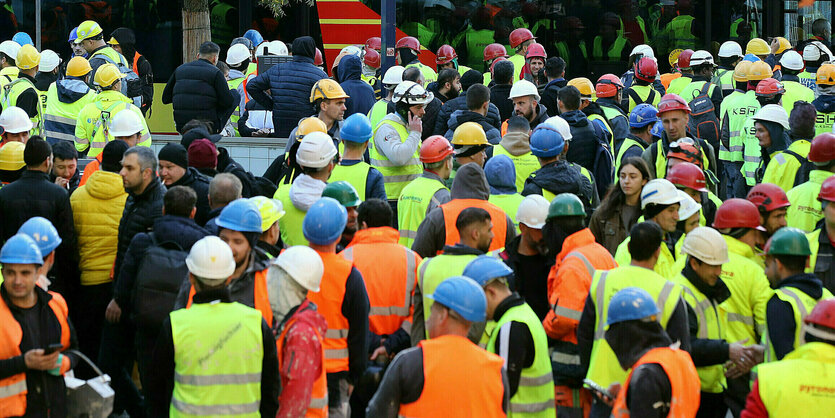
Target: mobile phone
x=597, y=388
x=52, y=348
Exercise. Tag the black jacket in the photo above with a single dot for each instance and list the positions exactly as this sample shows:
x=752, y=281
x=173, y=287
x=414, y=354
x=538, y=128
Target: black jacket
x=500, y=96
x=779, y=315
x=541, y=116
x=704, y=351
x=461, y=116
x=584, y=143
x=43, y=80
x=521, y=350
x=549, y=96
x=460, y=103
x=562, y=177
x=139, y=215
x=530, y=276
x=430, y=117
x=198, y=90
x=29, y=99
x=200, y=184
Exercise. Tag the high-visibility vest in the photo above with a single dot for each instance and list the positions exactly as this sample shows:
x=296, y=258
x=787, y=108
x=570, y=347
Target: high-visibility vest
x=640, y=21
x=518, y=61
x=230, y=384
x=458, y=376
x=113, y=55
x=799, y=382
x=329, y=300
x=355, y=174
x=782, y=168
x=562, y=51
x=222, y=31
x=378, y=112
x=725, y=79
x=734, y=30
x=13, y=388
x=801, y=304
x=806, y=78
x=428, y=73
x=395, y=177
x=390, y=284
x=525, y=165
x=624, y=146
x=821, y=262
x=679, y=368
x=613, y=53
x=93, y=124
x=535, y=395
x=604, y=368
x=737, y=108
x=549, y=195
x=235, y=84
x=666, y=266
x=712, y=322
x=680, y=28
x=10, y=94
x=290, y=225
x=318, y=406
x=806, y=211
x=795, y=92
x=509, y=203
x=603, y=124
x=59, y=117
x=643, y=92
x=412, y=205
x=476, y=41
x=8, y=74
x=454, y=207
x=750, y=292
x=692, y=90
x=824, y=122
x=433, y=270
x=661, y=159
x=678, y=84
x=261, y=299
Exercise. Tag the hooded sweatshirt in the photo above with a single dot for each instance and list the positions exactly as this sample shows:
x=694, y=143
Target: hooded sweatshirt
x=516, y=143
x=361, y=93
x=562, y=177
x=460, y=116
x=824, y=103
x=780, y=141
x=501, y=175
x=305, y=191
x=71, y=89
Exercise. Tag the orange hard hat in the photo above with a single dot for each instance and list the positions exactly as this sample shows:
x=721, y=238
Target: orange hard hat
x=435, y=148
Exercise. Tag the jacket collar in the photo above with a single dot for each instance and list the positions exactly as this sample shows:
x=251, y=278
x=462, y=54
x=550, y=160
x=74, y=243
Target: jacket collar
x=43, y=297
x=509, y=302
x=461, y=249
x=717, y=293
x=35, y=174
x=383, y=234
x=153, y=185
x=222, y=294
x=738, y=247
x=576, y=240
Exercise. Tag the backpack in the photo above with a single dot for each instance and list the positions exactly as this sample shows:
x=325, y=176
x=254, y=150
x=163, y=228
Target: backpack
x=604, y=166
x=131, y=84
x=703, y=121
x=637, y=99
x=806, y=167
x=161, y=272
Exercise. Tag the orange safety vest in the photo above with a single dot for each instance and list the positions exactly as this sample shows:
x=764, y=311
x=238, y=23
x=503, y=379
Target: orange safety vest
x=318, y=406
x=329, y=300
x=390, y=284
x=684, y=381
x=13, y=388
x=668, y=78
x=91, y=168
x=458, y=376
x=261, y=298
x=454, y=207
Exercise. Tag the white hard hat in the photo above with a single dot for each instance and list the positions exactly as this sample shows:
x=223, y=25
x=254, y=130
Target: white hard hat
x=316, y=150
x=561, y=126
x=791, y=60
x=259, y=50
x=394, y=75
x=701, y=57
x=278, y=48
x=15, y=120
x=707, y=245
x=523, y=88
x=127, y=122
x=659, y=192
x=688, y=206
x=49, y=61
x=10, y=48
x=411, y=94
x=303, y=264
x=237, y=54
x=351, y=50
x=729, y=49
x=811, y=52
x=533, y=211
x=773, y=113
x=211, y=260
x=643, y=50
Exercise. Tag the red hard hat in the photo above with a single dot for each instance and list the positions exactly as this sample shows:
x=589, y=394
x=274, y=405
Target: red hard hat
x=318, y=60
x=536, y=51
x=769, y=87
x=768, y=197
x=687, y=175
x=434, y=149
x=672, y=101
x=409, y=42
x=646, y=69
x=823, y=148
x=687, y=152
x=374, y=43
x=827, y=190
x=493, y=65
x=737, y=213
x=371, y=58
x=822, y=314
x=574, y=22
x=445, y=55
x=608, y=86
x=494, y=51
x=684, y=58
x=520, y=35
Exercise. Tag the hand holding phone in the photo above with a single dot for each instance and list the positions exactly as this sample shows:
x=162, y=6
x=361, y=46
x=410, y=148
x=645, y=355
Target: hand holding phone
x=52, y=348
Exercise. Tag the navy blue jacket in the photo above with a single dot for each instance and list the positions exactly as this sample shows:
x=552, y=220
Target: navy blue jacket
x=362, y=94
x=460, y=103
x=198, y=90
x=460, y=116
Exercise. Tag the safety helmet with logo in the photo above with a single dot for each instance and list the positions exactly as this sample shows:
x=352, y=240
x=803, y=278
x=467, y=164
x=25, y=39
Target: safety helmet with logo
x=685, y=150
x=684, y=59
x=536, y=51
x=78, y=67
x=672, y=101
x=701, y=57
x=533, y=211
x=560, y=125
x=791, y=60
x=374, y=43
x=21, y=249
x=445, y=55
x=523, y=88
x=646, y=69
x=788, y=241
x=343, y=192
x=327, y=89
x=469, y=133
x=310, y=125
x=632, y=304
x=608, y=85
x=737, y=213
x=821, y=321
x=741, y=71
x=759, y=71
x=565, y=204
x=822, y=150
x=42, y=232
x=87, y=29
x=15, y=120
x=773, y=113
x=546, y=142
x=107, y=75
x=827, y=192
x=49, y=61
x=659, y=192
x=730, y=49
x=462, y=295
x=520, y=35
x=271, y=210
x=11, y=156
x=412, y=94
x=642, y=115
x=769, y=87
x=409, y=42
x=485, y=269
x=303, y=264
x=783, y=44
x=768, y=197
x=687, y=175
x=371, y=58
x=642, y=50
x=584, y=85
x=757, y=46
x=318, y=59
x=825, y=75
x=673, y=57
x=73, y=35
x=435, y=148
x=237, y=54
x=10, y=48
x=494, y=51
x=211, y=260
x=356, y=128
x=240, y=215
x=27, y=57
x=316, y=150
x=324, y=222
x=707, y=245
x=687, y=207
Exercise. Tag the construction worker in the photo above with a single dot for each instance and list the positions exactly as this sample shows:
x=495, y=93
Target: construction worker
x=702, y=66
x=371, y=71
x=609, y=92
x=271, y=211
x=730, y=54
x=237, y=57
x=597, y=356
x=126, y=127
x=825, y=80
x=344, y=193
x=408, y=50
x=683, y=66
x=767, y=91
x=300, y=332
x=791, y=64
x=735, y=109
x=491, y=54
x=610, y=44
x=814, y=54
x=91, y=38
x=534, y=70
x=795, y=294
x=772, y=203
x=641, y=121
x=556, y=175
x=284, y=168
x=820, y=240
x=446, y=373
x=328, y=99
x=691, y=179
x=355, y=133
x=92, y=129
x=520, y=39
x=632, y=316
x=680, y=29
x=525, y=99
x=804, y=213
x=47, y=239
x=660, y=204
x=784, y=167
x=578, y=258
x=515, y=144
x=426, y=192
x=590, y=109
x=21, y=92
x=342, y=300
x=392, y=77
x=572, y=47
x=501, y=176
x=446, y=57
x=16, y=125
x=639, y=51
x=766, y=132
x=641, y=90
x=518, y=338
x=65, y=99
x=469, y=145
x=8, y=55
x=215, y=326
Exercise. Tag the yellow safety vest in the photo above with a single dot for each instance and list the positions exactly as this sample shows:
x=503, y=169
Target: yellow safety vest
x=509, y=204
x=412, y=205
x=518, y=61
x=355, y=174
x=782, y=168
x=805, y=210
x=13, y=90
x=428, y=73
x=613, y=53
x=799, y=384
x=683, y=37
x=378, y=112
x=60, y=118
x=93, y=124
x=824, y=122
x=643, y=93
x=736, y=109
x=750, y=292
x=525, y=165
x=236, y=114
x=624, y=146
x=801, y=304
x=677, y=85
x=434, y=270
x=290, y=225
x=8, y=74
x=794, y=92
x=476, y=41
x=666, y=265
x=395, y=177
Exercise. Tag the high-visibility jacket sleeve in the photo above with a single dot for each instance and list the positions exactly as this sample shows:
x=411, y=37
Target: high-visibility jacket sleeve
x=761, y=292
x=388, y=143
x=705, y=351
x=568, y=286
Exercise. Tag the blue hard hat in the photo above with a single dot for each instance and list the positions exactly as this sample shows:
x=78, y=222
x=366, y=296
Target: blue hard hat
x=629, y=304
x=546, y=142
x=73, y=34
x=23, y=38
x=464, y=296
x=751, y=57
x=484, y=268
x=254, y=36
x=357, y=128
x=241, y=215
x=657, y=129
x=20, y=249
x=42, y=232
x=642, y=115
x=324, y=222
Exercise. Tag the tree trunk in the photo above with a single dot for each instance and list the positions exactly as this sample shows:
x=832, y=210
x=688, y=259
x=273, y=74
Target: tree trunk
x=196, y=27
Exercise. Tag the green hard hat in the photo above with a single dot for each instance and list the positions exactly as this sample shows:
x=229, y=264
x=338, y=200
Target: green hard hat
x=343, y=192
x=788, y=241
x=566, y=204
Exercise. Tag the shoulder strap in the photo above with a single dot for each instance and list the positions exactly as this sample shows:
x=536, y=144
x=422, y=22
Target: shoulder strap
x=635, y=97
x=705, y=88
x=651, y=95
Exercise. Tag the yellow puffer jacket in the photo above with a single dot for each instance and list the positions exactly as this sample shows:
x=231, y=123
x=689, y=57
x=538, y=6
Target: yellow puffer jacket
x=97, y=209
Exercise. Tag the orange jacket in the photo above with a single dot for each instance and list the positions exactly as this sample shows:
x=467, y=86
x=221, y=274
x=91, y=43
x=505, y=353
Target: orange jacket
x=90, y=168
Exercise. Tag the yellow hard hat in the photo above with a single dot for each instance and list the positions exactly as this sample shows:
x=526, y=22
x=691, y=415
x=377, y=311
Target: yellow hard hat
x=271, y=210
x=86, y=30
x=106, y=75
x=784, y=44
x=469, y=133
x=308, y=125
x=826, y=75
x=757, y=46
x=584, y=85
x=28, y=57
x=78, y=67
x=327, y=89
x=113, y=41
x=673, y=57
x=741, y=70
x=11, y=156
x=759, y=71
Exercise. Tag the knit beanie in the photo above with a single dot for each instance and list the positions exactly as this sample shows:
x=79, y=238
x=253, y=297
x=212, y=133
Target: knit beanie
x=802, y=120
x=175, y=154
x=202, y=153
x=111, y=159
x=470, y=78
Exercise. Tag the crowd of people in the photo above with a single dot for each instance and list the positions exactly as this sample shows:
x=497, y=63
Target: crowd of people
x=432, y=241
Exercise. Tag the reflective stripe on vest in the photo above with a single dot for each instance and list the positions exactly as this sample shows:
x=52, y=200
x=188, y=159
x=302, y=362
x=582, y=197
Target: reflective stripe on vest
x=318, y=406
x=737, y=107
x=712, y=320
x=59, y=117
x=454, y=207
x=432, y=271
x=395, y=177
x=217, y=333
x=801, y=304
x=12, y=91
x=329, y=300
x=525, y=165
x=290, y=225
x=413, y=204
x=355, y=174
x=678, y=366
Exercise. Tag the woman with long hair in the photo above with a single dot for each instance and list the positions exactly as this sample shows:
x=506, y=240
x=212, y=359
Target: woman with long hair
x=621, y=207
